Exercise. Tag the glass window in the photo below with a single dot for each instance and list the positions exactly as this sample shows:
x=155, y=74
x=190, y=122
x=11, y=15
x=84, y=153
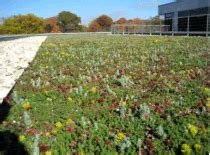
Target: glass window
x=182, y=24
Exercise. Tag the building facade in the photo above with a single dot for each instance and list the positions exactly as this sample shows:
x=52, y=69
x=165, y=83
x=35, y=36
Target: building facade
x=187, y=15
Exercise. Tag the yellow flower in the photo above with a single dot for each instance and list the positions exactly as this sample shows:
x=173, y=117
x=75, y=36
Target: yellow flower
x=58, y=125
x=120, y=137
x=193, y=117
x=93, y=101
x=48, y=153
x=70, y=100
x=82, y=153
x=26, y=105
x=206, y=90
x=63, y=53
x=123, y=103
x=69, y=121
x=193, y=129
x=46, y=66
x=47, y=134
x=51, y=45
x=93, y=89
x=22, y=138
x=208, y=103
x=197, y=147
x=186, y=149
x=46, y=92
x=54, y=131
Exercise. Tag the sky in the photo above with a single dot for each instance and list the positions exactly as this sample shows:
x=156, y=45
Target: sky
x=86, y=9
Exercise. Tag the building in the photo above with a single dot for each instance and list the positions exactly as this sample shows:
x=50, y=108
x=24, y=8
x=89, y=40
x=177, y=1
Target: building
x=187, y=15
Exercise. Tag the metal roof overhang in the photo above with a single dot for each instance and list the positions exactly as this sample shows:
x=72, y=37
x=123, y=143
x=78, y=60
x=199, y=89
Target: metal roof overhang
x=182, y=6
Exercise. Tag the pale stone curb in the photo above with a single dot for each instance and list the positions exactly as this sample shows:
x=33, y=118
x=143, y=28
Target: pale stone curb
x=15, y=56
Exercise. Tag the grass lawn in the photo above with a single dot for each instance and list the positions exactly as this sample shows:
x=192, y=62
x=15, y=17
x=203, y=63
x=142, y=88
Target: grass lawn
x=114, y=95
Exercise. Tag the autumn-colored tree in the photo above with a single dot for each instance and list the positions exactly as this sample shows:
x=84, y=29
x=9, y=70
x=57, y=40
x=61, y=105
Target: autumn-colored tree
x=105, y=22
x=136, y=21
x=102, y=23
x=24, y=24
x=121, y=21
x=94, y=26
x=51, y=25
x=130, y=21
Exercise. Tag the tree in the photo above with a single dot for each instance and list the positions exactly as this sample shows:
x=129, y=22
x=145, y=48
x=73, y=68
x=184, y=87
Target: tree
x=48, y=28
x=51, y=25
x=105, y=22
x=136, y=21
x=2, y=29
x=24, y=24
x=121, y=21
x=68, y=21
x=130, y=21
x=94, y=26
x=154, y=21
x=82, y=28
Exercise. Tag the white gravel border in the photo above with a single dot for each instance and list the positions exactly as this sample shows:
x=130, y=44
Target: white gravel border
x=15, y=56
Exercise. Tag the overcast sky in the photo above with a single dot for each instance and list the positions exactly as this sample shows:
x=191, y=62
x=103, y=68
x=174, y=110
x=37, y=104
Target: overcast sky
x=86, y=9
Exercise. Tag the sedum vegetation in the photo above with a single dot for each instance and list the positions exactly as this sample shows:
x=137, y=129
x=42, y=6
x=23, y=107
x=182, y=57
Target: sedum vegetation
x=114, y=95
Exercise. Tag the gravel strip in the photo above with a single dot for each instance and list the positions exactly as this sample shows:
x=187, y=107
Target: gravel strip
x=15, y=56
